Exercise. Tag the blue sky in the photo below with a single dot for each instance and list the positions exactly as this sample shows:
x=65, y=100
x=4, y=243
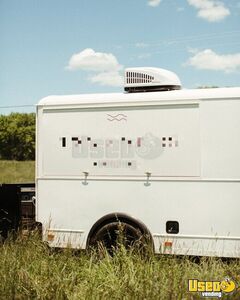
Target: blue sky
x=82, y=46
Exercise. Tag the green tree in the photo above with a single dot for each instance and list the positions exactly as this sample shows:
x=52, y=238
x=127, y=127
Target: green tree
x=17, y=136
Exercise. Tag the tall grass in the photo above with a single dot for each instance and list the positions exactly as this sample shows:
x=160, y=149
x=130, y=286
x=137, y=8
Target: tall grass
x=17, y=171
x=30, y=270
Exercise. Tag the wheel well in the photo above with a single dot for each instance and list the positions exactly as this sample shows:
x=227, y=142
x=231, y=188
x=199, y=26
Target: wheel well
x=122, y=218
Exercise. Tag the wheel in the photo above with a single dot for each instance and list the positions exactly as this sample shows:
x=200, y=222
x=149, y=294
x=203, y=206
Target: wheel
x=112, y=235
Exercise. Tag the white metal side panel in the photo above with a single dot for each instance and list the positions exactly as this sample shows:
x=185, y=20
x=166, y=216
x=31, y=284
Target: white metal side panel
x=163, y=140
x=220, y=139
x=207, y=212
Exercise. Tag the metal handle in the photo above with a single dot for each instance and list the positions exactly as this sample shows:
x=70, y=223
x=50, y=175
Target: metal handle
x=85, y=178
x=147, y=183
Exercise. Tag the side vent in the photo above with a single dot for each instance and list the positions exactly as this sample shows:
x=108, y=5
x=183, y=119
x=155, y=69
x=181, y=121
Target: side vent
x=135, y=77
x=150, y=79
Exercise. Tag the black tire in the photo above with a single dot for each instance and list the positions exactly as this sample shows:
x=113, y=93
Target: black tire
x=112, y=235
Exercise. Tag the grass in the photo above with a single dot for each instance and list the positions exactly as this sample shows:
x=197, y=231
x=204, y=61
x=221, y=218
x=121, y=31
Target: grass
x=17, y=171
x=29, y=270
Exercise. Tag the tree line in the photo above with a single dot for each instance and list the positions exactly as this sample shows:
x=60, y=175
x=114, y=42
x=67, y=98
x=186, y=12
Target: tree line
x=17, y=136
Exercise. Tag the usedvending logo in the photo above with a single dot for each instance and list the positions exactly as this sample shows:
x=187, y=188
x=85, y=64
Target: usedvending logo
x=212, y=288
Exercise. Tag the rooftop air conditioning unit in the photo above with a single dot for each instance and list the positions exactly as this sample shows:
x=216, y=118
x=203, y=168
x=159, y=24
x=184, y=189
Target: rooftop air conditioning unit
x=150, y=79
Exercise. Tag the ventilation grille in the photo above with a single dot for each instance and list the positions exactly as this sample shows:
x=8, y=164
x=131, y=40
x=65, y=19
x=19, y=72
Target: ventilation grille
x=136, y=77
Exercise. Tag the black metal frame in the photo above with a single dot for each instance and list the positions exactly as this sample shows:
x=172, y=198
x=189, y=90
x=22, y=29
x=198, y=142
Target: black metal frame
x=11, y=209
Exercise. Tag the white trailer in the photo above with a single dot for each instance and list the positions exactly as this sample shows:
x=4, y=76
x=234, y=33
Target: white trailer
x=163, y=161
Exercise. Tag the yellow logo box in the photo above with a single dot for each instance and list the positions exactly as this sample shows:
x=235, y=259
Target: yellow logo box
x=226, y=286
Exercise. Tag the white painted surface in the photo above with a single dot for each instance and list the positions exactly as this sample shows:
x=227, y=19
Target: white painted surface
x=197, y=183
x=168, y=146
x=201, y=208
x=121, y=99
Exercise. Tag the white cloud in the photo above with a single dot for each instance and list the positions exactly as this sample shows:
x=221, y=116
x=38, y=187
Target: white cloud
x=209, y=60
x=210, y=10
x=154, y=3
x=104, y=67
x=89, y=60
x=108, y=78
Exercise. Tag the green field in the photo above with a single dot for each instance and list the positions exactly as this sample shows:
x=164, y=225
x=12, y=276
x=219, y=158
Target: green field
x=30, y=270
x=17, y=171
